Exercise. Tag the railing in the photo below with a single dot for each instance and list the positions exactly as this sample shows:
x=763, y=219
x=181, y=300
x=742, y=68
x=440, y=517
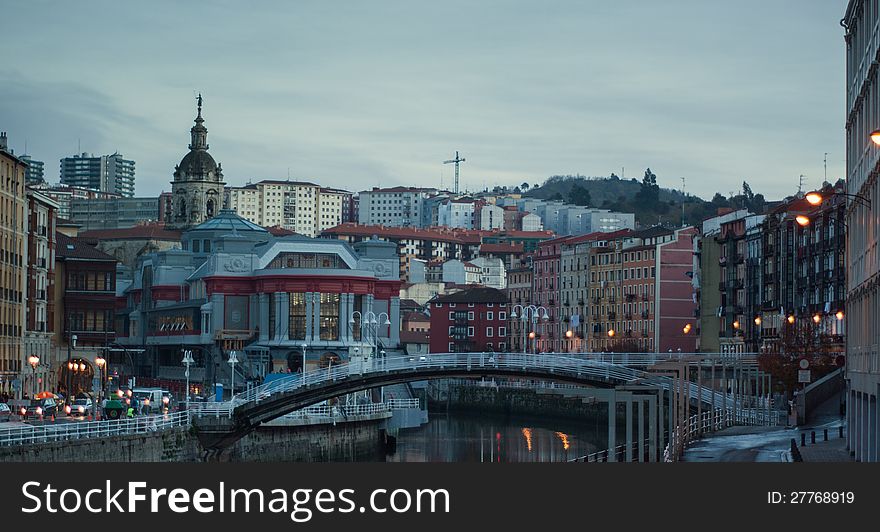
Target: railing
x=611, y=366
x=711, y=421
x=618, y=454
x=52, y=432
x=404, y=404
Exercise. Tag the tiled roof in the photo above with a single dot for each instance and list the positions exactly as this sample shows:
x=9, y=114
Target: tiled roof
x=473, y=295
x=74, y=248
x=501, y=248
x=138, y=232
x=414, y=337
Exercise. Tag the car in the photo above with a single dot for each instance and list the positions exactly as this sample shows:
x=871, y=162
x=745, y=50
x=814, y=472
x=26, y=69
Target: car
x=80, y=407
x=39, y=408
x=5, y=412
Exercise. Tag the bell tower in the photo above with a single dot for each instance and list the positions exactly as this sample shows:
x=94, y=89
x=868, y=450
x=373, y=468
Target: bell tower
x=197, y=188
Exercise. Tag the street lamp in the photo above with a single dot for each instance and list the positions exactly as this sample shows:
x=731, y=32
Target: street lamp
x=816, y=197
x=101, y=362
x=304, y=346
x=233, y=360
x=525, y=312
x=187, y=361
x=34, y=361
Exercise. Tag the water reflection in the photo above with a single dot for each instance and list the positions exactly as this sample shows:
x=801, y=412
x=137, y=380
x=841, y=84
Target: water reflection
x=462, y=438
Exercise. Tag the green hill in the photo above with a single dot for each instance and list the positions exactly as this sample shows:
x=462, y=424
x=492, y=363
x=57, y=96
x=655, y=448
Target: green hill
x=650, y=203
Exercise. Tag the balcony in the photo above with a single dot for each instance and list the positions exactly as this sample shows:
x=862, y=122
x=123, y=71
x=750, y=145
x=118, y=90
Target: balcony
x=644, y=297
x=645, y=314
x=581, y=302
x=628, y=316
x=41, y=262
x=631, y=297
x=612, y=315
x=722, y=261
x=738, y=258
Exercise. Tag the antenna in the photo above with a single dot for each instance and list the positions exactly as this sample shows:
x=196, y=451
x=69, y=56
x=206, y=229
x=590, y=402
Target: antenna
x=826, y=166
x=682, y=201
x=801, y=182
x=458, y=160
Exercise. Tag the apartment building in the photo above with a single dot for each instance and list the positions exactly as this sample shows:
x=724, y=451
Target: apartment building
x=13, y=268
x=393, y=207
x=302, y=207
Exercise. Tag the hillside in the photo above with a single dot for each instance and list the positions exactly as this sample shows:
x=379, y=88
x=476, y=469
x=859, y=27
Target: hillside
x=650, y=203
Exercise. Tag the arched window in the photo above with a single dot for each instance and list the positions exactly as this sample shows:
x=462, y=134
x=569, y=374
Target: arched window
x=209, y=208
x=181, y=211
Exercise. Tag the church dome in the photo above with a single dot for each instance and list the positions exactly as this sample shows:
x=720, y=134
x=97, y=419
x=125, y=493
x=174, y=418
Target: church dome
x=196, y=163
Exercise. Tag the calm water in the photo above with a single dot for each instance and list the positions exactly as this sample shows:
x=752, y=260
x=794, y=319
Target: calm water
x=467, y=438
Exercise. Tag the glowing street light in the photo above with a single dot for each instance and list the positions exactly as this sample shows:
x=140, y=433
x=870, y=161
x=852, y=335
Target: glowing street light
x=814, y=198
x=817, y=318
x=802, y=220
x=757, y=320
x=839, y=315
x=34, y=361
x=875, y=137
x=611, y=333
x=790, y=319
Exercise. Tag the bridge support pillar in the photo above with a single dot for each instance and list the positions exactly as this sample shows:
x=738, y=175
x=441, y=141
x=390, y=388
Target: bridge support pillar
x=629, y=426
x=652, y=426
x=612, y=425
x=641, y=420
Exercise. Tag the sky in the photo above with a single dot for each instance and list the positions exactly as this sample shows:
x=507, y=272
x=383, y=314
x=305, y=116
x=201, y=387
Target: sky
x=361, y=94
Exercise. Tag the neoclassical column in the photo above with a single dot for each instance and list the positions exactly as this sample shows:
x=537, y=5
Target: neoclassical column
x=310, y=323
x=316, y=316
x=263, y=310
x=282, y=316
x=394, y=312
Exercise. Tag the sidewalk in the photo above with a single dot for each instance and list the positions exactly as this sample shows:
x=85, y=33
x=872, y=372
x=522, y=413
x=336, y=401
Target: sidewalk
x=833, y=450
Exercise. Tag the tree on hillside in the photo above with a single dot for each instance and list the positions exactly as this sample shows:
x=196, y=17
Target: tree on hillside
x=580, y=195
x=649, y=192
x=516, y=190
x=536, y=186
x=524, y=187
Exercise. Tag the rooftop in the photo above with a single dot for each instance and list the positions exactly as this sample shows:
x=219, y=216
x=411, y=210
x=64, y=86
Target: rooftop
x=154, y=231
x=473, y=295
x=228, y=220
x=74, y=248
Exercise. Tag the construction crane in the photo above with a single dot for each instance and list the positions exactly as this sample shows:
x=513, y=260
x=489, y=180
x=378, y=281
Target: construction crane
x=457, y=161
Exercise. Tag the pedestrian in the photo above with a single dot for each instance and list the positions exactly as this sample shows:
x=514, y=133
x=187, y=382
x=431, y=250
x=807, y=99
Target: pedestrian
x=130, y=411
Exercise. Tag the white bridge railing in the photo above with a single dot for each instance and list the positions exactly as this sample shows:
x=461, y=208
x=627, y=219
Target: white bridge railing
x=74, y=430
x=585, y=367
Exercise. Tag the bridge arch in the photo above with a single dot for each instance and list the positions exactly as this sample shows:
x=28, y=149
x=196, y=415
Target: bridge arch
x=230, y=421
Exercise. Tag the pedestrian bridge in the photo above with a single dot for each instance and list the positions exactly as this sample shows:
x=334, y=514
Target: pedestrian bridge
x=220, y=424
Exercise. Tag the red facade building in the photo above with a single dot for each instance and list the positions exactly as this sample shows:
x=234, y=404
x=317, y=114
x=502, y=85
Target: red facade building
x=473, y=320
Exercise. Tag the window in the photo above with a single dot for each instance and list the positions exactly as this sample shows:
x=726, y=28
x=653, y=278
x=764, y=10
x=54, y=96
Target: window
x=502, y=331
x=502, y=346
x=451, y=347
x=195, y=246
x=470, y=331
x=471, y=316
x=297, y=324
x=490, y=332
x=452, y=305
x=490, y=315
x=329, y=318
x=438, y=305
x=451, y=328
x=451, y=316
x=207, y=246
x=470, y=304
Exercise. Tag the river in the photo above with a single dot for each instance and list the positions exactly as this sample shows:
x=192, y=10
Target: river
x=457, y=437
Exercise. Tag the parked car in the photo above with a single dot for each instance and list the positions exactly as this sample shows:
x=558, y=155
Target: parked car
x=5, y=412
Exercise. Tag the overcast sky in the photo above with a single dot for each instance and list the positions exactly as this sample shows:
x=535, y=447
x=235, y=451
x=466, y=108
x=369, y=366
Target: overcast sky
x=358, y=94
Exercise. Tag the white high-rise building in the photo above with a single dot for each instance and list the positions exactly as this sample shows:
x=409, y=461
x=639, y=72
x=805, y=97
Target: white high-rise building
x=863, y=231
x=393, y=207
x=301, y=207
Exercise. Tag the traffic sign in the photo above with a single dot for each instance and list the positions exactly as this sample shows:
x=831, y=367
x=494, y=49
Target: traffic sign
x=804, y=363
x=804, y=376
